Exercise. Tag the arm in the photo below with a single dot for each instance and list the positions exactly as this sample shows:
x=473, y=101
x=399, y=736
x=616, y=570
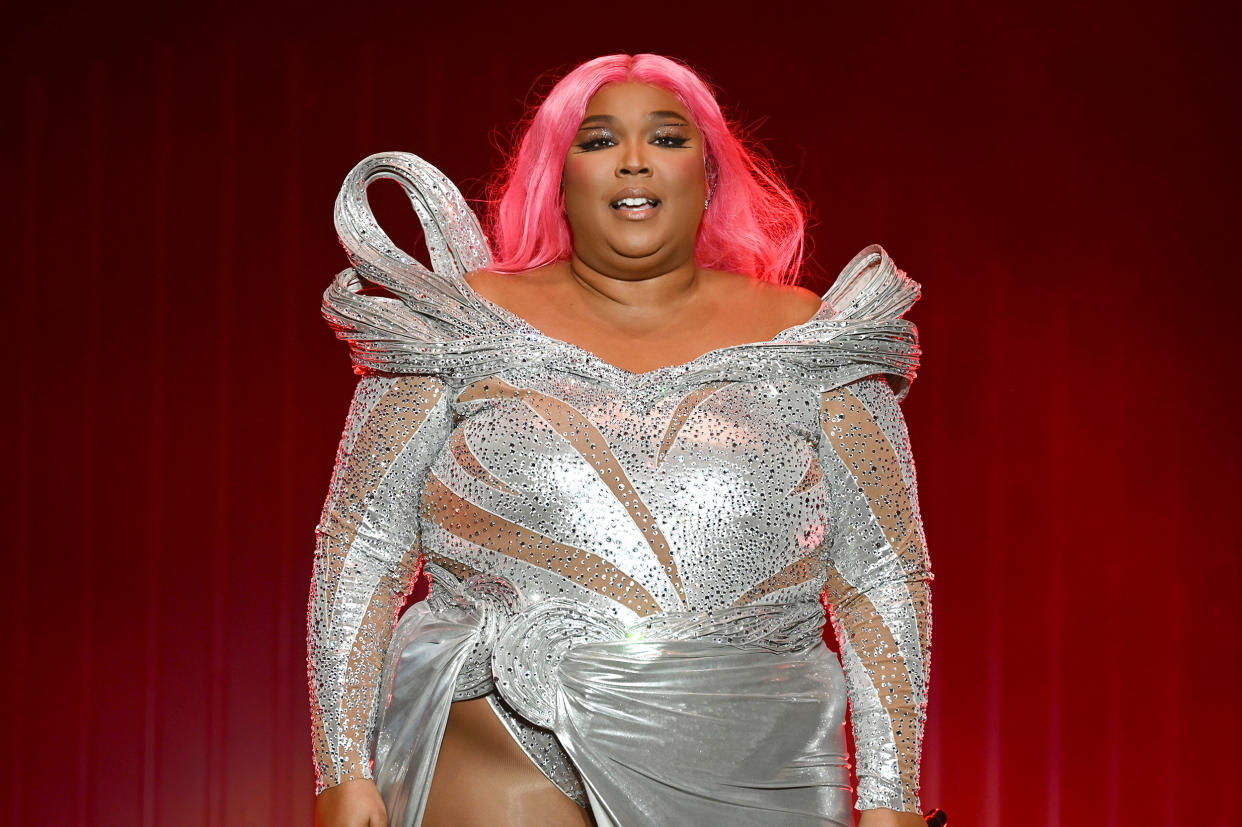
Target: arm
x=366, y=561
x=878, y=585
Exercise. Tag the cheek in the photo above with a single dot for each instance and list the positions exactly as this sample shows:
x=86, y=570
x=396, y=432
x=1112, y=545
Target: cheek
x=582, y=187
x=687, y=173
x=582, y=177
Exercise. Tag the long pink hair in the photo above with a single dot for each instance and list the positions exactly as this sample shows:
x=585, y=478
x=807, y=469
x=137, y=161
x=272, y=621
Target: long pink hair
x=754, y=225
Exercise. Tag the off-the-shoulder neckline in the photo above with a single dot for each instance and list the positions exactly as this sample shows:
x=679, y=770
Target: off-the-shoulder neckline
x=825, y=310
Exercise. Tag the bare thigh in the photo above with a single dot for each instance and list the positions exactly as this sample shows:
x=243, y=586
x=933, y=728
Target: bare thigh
x=483, y=778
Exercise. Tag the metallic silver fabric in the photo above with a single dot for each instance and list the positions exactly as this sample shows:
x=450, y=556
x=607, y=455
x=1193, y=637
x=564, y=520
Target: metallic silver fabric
x=631, y=567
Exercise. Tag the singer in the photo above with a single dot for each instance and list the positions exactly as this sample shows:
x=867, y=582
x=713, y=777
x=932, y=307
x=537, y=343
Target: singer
x=637, y=463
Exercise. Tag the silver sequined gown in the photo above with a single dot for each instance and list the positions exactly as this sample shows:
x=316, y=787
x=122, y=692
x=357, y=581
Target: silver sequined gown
x=630, y=567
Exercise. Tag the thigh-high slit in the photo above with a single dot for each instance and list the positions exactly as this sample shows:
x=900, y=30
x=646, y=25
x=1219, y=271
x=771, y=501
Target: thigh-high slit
x=482, y=777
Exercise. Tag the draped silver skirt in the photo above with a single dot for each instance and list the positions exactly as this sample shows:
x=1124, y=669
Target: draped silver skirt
x=710, y=718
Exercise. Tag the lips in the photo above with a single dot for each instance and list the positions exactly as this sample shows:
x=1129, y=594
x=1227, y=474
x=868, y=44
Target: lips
x=635, y=204
x=634, y=199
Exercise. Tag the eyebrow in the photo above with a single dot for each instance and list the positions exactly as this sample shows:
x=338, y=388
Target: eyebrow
x=652, y=116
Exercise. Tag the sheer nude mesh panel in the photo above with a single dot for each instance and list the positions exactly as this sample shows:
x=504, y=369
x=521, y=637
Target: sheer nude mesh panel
x=897, y=584
x=800, y=571
x=361, y=578
x=384, y=434
x=587, y=440
x=814, y=476
x=888, y=671
x=458, y=569
x=470, y=463
x=682, y=413
x=464, y=519
x=864, y=448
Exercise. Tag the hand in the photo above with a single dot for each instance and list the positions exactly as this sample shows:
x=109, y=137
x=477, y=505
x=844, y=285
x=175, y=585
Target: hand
x=884, y=817
x=353, y=803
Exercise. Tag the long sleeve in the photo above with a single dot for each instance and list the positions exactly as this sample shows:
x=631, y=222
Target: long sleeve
x=878, y=585
x=366, y=561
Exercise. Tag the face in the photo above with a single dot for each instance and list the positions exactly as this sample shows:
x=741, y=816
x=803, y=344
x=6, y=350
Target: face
x=635, y=182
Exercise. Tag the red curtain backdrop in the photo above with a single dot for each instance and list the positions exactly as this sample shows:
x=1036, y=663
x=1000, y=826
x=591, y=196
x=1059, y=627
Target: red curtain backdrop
x=1060, y=177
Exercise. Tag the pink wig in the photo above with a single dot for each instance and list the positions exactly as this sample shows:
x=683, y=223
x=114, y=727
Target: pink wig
x=755, y=225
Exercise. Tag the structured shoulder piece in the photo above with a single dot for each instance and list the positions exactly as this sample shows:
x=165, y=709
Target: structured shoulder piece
x=864, y=332
x=432, y=322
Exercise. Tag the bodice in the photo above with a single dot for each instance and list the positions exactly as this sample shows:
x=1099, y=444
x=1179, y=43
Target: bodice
x=712, y=497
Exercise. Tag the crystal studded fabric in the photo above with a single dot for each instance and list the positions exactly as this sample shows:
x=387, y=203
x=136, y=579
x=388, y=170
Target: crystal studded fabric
x=632, y=568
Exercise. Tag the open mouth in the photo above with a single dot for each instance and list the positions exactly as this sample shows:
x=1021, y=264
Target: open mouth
x=635, y=203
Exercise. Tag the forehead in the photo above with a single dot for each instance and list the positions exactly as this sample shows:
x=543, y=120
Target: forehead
x=634, y=99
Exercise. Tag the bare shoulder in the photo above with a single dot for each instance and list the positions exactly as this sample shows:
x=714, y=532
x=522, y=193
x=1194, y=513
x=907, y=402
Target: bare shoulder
x=796, y=304
x=502, y=288
x=784, y=305
x=497, y=288
x=486, y=283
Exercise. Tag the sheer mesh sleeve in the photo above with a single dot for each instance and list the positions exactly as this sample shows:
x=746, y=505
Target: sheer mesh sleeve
x=878, y=585
x=366, y=561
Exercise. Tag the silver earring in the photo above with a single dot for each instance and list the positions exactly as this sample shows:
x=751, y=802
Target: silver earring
x=711, y=180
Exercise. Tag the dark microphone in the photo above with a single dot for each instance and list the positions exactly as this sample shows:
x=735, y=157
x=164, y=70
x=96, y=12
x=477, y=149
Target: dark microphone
x=936, y=817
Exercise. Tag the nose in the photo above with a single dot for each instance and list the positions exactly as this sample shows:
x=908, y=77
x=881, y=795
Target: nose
x=632, y=161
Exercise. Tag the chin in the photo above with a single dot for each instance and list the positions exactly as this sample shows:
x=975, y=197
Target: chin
x=638, y=253
x=637, y=245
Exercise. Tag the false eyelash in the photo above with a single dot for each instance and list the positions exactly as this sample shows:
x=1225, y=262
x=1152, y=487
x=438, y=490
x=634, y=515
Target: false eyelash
x=595, y=143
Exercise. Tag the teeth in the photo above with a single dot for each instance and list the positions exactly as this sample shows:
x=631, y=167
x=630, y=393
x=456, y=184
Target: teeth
x=634, y=202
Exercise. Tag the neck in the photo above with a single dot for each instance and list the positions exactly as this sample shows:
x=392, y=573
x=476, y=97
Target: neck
x=660, y=290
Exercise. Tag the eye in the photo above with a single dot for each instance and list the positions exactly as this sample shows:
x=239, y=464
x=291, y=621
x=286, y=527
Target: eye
x=670, y=140
x=596, y=140
x=594, y=143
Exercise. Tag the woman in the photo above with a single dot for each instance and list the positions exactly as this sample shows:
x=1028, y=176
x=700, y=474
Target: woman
x=632, y=473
